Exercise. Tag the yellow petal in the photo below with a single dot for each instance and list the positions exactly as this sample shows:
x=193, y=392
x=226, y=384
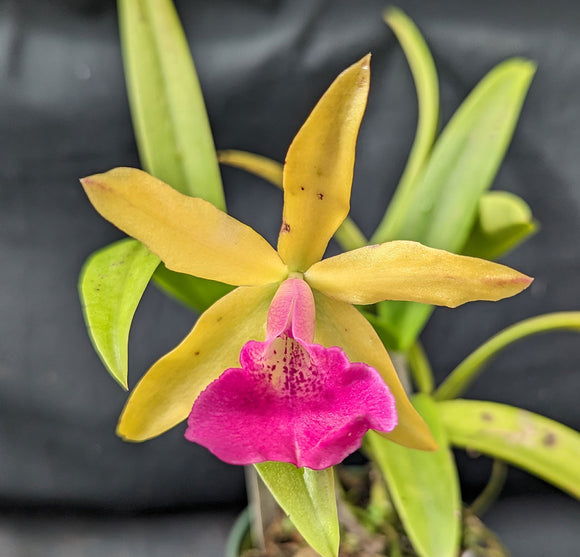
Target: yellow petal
x=409, y=271
x=319, y=167
x=166, y=393
x=340, y=324
x=189, y=234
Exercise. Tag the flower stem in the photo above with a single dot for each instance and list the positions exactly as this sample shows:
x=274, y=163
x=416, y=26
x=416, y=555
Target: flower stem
x=492, y=490
x=466, y=372
x=262, y=506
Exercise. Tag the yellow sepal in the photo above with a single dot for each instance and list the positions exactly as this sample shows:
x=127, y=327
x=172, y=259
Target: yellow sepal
x=409, y=271
x=166, y=393
x=319, y=168
x=340, y=324
x=189, y=234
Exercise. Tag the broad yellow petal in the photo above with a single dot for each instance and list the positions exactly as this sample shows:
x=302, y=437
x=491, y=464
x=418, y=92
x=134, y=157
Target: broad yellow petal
x=166, y=393
x=189, y=234
x=409, y=271
x=319, y=167
x=340, y=324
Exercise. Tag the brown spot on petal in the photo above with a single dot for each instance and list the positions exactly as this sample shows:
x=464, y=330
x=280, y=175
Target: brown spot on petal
x=196, y=353
x=549, y=439
x=487, y=417
x=302, y=188
x=285, y=227
x=320, y=196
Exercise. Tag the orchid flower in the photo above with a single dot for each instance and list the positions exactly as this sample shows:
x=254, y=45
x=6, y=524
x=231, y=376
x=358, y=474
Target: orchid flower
x=284, y=367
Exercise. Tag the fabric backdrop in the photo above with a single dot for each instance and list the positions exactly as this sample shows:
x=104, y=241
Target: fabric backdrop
x=262, y=65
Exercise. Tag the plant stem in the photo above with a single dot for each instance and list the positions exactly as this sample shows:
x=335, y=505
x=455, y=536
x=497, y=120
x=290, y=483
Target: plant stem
x=465, y=373
x=420, y=368
x=492, y=490
x=262, y=506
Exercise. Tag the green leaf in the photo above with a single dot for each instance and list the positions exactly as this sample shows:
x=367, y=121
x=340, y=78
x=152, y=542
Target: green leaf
x=424, y=486
x=111, y=284
x=420, y=368
x=176, y=145
x=503, y=222
x=194, y=292
x=468, y=370
x=537, y=444
x=348, y=235
x=169, y=116
x=466, y=158
x=381, y=327
x=270, y=170
x=308, y=498
x=427, y=85
x=462, y=167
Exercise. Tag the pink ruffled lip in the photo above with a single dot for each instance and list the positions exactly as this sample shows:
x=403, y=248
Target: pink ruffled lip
x=291, y=400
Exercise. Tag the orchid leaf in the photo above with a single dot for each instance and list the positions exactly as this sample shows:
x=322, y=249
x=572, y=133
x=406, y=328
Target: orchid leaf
x=387, y=337
x=466, y=158
x=193, y=292
x=175, y=144
x=503, y=221
x=169, y=116
x=110, y=286
x=537, y=444
x=427, y=85
x=308, y=498
x=420, y=368
x=348, y=235
x=424, y=486
x=462, y=167
x=467, y=371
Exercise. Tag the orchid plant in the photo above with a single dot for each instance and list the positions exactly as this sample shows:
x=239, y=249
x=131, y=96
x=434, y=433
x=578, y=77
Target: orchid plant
x=283, y=372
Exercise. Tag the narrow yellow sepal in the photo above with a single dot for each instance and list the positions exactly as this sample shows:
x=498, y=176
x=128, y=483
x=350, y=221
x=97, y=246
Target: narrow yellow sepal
x=189, y=234
x=403, y=270
x=340, y=324
x=319, y=168
x=166, y=393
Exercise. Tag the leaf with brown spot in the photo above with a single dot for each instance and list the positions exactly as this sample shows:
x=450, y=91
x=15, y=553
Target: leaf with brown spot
x=537, y=444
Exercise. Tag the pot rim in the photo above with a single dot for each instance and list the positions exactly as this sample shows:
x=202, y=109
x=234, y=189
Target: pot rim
x=239, y=530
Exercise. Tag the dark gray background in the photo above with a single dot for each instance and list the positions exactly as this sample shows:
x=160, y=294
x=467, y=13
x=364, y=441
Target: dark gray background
x=262, y=65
